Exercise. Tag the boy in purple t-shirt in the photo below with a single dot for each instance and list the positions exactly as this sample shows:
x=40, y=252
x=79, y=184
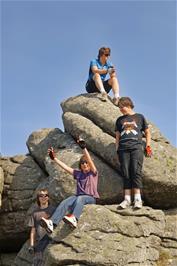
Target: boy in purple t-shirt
x=71, y=208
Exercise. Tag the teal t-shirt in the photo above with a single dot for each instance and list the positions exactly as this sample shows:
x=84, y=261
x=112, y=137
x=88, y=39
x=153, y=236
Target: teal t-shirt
x=96, y=62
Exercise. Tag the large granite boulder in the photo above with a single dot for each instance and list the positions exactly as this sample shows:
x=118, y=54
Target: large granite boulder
x=160, y=182
x=168, y=251
x=7, y=259
x=21, y=177
x=107, y=236
x=60, y=184
x=39, y=141
x=102, y=114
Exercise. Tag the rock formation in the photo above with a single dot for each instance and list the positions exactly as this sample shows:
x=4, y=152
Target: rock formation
x=21, y=177
x=105, y=235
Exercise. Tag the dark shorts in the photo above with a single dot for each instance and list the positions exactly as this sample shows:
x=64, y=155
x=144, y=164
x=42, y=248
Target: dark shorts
x=91, y=87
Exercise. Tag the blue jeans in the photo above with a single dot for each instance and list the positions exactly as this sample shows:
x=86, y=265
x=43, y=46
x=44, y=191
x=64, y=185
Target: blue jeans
x=74, y=205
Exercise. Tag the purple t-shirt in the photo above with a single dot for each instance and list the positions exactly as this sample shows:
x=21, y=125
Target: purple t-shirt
x=86, y=183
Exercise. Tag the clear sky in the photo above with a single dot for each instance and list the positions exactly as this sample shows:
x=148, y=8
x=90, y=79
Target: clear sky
x=46, y=47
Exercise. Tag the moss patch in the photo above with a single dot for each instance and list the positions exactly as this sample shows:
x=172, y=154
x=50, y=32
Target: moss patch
x=164, y=256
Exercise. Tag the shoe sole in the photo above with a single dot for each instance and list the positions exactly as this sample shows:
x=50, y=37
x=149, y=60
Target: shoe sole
x=69, y=223
x=103, y=100
x=137, y=208
x=44, y=225
x=123, y=208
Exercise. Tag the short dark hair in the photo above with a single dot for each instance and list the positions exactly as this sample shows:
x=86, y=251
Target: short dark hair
x=39, y=192
x=125, y=101
x=103, y=50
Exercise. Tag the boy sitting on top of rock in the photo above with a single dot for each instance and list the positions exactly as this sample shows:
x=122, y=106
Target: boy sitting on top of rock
x=99, y=68
x=130, y=150
x=71, y=208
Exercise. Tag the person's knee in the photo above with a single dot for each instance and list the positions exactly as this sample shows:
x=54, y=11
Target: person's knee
x=112, y=80
x=79, y=200
x=96, y=76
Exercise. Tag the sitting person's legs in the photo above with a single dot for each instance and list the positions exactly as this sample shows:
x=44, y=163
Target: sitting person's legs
x=97, y=85
x=62, y=209
x=114, y=84
x=91, y=87
x=79, y=204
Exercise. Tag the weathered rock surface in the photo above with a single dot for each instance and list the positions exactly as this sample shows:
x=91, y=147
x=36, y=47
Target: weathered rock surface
x=21, y=177
x=100, y=113
x=7, y=259
x=23, y=258
x=39, y=141
x=105, y=236
x=108, y=236
x=168, y=251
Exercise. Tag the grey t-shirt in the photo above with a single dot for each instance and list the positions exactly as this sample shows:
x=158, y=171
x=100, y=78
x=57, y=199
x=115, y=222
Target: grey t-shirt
x=34, y=222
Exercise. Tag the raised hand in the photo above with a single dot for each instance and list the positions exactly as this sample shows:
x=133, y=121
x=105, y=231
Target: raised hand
x=81, y=143
x=51, y=153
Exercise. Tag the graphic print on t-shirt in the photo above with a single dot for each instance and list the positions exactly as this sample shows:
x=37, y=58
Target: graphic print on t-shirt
x=129, y=127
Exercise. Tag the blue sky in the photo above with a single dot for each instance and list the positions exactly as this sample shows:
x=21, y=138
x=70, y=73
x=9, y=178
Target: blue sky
x=46, y=47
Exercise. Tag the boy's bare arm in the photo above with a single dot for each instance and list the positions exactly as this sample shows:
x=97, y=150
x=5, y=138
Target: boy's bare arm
x=32, y=236
x=64, y=166
x=89, y=159
x=82, y=145
x=148, y=137
x=60, y=163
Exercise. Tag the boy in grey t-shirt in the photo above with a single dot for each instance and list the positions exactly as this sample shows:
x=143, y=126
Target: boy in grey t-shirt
x=38, y=237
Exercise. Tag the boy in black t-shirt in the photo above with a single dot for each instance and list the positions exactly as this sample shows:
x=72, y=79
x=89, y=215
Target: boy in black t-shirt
x=38, y=237
x=129, y=146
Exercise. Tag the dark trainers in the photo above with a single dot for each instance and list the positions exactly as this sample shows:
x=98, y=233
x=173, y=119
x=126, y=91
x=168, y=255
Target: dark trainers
x=47, y=224
x=71, y=220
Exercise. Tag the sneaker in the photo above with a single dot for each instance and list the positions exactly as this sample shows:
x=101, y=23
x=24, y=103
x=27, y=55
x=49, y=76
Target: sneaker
x=124, y=204
x=138, y=204
x=47, y=224
x=71, y=220
x=104, y=96
x=115, y=101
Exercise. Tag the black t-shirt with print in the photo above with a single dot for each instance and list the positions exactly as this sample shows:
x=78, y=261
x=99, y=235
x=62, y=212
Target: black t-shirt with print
x=131, y=128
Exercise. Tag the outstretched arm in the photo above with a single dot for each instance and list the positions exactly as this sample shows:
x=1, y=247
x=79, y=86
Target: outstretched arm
x=89, y=159
x=60, y=163
x=82, y=144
